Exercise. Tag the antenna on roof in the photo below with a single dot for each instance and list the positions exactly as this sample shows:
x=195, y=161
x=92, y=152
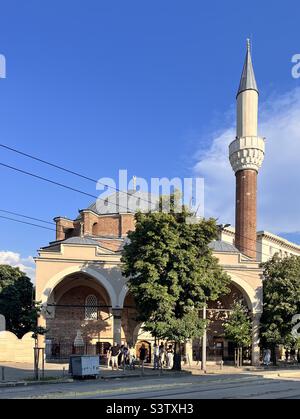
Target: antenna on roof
x=134, y=183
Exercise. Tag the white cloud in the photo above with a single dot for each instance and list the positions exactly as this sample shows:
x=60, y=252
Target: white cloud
x=16, y=260
x=279, y=179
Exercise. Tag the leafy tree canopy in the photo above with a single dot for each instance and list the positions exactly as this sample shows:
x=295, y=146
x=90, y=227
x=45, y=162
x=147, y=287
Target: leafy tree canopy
x=238, y=329
x=8, y=276
x=172, y=272
x=16, y=301
x=281, y=300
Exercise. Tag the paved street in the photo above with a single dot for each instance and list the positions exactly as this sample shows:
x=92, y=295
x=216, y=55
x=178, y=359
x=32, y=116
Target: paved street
x=250, y=386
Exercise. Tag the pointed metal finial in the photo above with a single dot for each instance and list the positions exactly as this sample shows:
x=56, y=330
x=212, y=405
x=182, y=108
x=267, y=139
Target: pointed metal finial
x=249, y=44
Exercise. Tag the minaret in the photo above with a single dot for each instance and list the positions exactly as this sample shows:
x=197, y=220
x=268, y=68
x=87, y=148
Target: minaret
x=246, y=155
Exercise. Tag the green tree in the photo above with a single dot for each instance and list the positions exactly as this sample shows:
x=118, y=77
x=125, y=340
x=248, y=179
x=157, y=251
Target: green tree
x=16, y=301
x=238, y=329
x=172, y=274
x=8, y=276
x=281, y=301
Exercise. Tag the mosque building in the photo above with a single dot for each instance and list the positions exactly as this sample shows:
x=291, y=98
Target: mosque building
x=87, y=304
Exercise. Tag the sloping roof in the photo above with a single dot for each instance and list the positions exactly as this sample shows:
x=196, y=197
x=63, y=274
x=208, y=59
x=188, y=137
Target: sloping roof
x=55, y=246
x=223, y=247
x=248, y=81
x=80, y=240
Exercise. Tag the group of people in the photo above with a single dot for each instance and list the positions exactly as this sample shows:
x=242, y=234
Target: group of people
x=126, y=357
x=120, y=357
x=163, y=356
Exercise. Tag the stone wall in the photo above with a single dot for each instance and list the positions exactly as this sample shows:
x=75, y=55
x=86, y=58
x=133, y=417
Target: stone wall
x=13, y=349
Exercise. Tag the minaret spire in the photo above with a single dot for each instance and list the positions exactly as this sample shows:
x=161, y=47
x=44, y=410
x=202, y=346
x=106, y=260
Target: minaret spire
x=246, y=154
x=248, y=80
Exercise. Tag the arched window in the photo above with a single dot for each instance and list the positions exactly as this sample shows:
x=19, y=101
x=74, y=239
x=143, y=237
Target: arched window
x=95, y=229
x=91, y=311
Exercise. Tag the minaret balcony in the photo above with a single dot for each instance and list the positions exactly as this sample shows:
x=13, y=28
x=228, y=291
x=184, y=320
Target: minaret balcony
x=247, y=153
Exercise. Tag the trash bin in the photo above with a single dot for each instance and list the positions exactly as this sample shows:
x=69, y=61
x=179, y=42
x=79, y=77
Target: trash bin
x=82, y=366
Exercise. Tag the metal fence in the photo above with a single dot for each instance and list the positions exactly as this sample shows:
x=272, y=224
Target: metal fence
x=60, y=352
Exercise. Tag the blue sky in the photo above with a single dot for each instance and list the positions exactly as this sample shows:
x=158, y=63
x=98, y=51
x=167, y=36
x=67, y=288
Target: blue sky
x=99, y=86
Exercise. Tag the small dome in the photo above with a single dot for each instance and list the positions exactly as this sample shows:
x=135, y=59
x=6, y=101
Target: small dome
x=125, y=203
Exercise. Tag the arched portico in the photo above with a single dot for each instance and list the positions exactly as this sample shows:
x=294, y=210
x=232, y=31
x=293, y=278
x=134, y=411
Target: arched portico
x=95, y=274
x=66, y=292
x=253, y=296
x=244, y=287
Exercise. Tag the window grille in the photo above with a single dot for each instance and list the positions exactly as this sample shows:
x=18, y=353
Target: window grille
x=91, y=303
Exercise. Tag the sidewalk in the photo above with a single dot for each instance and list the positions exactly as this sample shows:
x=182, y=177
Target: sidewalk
x=23, y=373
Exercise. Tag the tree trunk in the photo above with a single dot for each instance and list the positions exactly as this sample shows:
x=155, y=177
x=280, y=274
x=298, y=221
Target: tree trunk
x=177, y=357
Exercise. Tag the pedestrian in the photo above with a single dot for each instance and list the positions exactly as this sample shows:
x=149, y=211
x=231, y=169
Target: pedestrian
x=120, y=356
x=143, y=354
x=287, y=355
x=162, y=353
x=131, y=358
x=156, y=357
x=125, y=356
x=267, y=357
x=108, y=356
x=293, y=355
x=170, y=357
x=115, y=352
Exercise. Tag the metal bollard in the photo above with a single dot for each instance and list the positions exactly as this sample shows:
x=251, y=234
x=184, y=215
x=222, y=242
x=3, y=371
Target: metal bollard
x=221, y=365
x=2, y=374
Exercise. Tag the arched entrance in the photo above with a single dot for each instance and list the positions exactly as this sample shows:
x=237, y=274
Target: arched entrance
x=78, y=317
x=218, y=347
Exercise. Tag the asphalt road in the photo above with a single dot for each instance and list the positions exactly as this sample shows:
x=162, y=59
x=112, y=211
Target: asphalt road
x=245, y=386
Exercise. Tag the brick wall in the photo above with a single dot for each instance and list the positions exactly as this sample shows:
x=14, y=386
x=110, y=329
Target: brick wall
x=63, y=328
x=246, y=193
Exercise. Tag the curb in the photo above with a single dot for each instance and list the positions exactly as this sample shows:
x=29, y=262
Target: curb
x=11, y=384
x=34, y=383
x=163, y=375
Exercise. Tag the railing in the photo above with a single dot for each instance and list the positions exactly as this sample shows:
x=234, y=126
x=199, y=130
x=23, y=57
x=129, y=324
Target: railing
x=62, y=351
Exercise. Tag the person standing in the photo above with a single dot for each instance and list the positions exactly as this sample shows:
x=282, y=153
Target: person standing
x=125, y=356
x=170, y=357
x=267, y=357
x=143, y=355
x=131, y=357
x=115, y=352
x=162, y=354
x=156, y=357
x=108, y=356
x=120, y=356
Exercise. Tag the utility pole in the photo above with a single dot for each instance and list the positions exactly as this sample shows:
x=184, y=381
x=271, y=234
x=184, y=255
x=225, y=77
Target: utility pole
x=204, y=340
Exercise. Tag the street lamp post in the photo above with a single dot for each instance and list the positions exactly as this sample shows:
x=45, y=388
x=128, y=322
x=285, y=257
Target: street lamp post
x=204, y=340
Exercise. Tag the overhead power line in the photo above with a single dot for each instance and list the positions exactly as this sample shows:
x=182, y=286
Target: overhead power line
x=25, y=222
x=26, y=216
x=64, y=169
x=74, y=189
x=62, y=185
x=52, y=229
